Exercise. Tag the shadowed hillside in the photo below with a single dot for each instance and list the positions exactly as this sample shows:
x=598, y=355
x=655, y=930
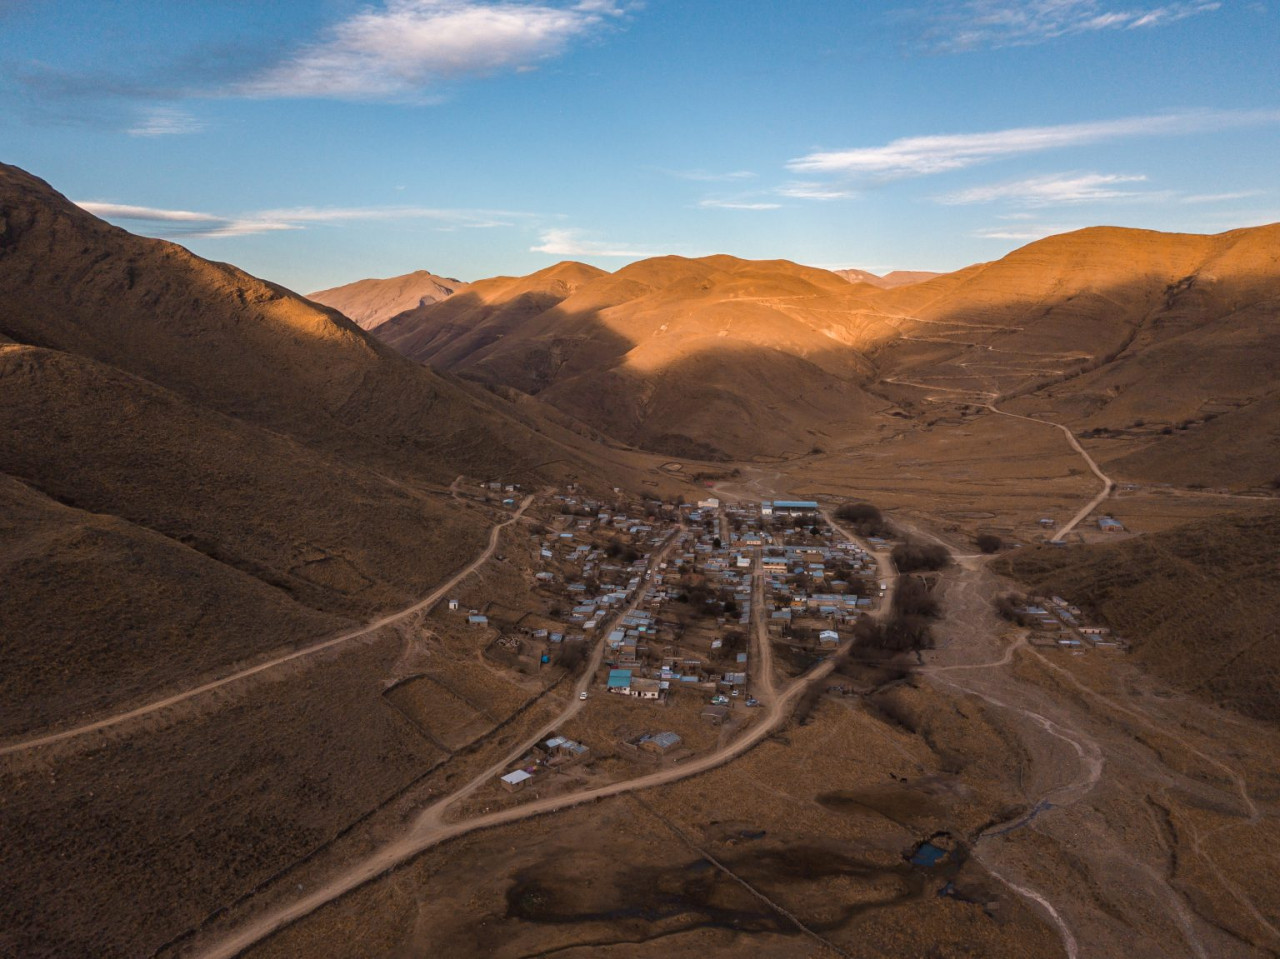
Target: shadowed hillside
x=1201, y=603
x=716, y=357
x=263, y=470
x=1103, y=329
x=371, y=303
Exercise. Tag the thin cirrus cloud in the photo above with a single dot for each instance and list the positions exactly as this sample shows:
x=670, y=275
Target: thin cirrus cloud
x=993, y=24
x=1052, y=190
x=704, y=176
x=567, y=242
x=1022, y=232
x=927, y=155
x=404, y=49
x=711, y=203
x=190, y=223
x=165, y=122
x=814, y=191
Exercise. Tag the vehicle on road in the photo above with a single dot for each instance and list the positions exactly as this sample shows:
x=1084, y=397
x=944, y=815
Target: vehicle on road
x=582, y=695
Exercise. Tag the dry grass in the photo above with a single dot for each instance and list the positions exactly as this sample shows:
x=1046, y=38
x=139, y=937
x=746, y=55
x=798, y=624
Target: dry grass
x=1200, y=602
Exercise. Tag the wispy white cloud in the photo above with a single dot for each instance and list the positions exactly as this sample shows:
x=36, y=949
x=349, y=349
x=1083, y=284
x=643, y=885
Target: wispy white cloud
x=702, y=176
x=403, y=49
x=1052, y=190
x=567, y=242
x=924, y=155
x=815, y=191
x=955, y=27
x=714, y=204
x=1220, y=197
x=165, y=122
x=1023, y=232
x=189, y=223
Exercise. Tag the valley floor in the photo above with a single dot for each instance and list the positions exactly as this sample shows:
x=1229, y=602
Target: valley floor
x=1076, y=807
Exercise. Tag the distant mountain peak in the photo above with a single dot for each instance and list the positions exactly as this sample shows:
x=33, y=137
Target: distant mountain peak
x=371, y=302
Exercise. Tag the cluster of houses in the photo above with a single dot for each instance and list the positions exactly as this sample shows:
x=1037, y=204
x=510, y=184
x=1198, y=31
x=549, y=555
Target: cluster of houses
x=1057, y=623
x=822, y=587
x=547, y=755
x=682, y=626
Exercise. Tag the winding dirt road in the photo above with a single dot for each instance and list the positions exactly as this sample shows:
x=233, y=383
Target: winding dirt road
x=430, y=829
x=1107, y=483
x=435, y=596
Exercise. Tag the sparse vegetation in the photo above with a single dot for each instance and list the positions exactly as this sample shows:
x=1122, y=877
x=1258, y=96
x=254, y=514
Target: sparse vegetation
x=914, y=556
x=865, y=519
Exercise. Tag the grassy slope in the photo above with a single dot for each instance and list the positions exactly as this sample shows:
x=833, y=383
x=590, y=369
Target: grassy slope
x=214, y=425
x=1201, y=603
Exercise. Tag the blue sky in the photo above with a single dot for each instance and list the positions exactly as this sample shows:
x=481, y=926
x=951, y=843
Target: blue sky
x=317, y=143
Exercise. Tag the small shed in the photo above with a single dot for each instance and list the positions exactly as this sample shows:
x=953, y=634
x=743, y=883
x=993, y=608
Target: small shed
x=660, y=743
x=514, y=782
x=715, y=714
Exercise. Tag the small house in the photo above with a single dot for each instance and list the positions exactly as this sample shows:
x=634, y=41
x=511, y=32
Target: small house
x=659, y=743
x=715, y=714
x=514, y=782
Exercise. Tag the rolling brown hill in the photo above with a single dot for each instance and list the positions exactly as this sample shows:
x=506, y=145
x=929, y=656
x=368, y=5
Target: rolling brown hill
x=1201, y=603
x=728, y=359
x=1125, y=332
x=715, y=357
x=197, y=419
x=372, y=302
x=888, y=281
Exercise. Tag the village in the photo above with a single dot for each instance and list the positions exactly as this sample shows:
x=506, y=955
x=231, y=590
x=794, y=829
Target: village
x=659, y=609
x=1056, y=623
x=667, y=603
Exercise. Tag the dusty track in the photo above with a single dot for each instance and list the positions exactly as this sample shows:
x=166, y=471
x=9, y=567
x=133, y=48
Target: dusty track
x=431, y=829
x=1107, y=483
x=432, y=833
x=434, y=597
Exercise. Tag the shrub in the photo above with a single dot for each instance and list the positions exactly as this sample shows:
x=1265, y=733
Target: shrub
x=865, y=519
x=989, y=542
x=913, y=599
x=911, y=557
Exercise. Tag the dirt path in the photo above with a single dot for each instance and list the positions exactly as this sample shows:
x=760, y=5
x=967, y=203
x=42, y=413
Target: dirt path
x=768, y=691
x=435, y=814
x=432, y=832
x=431, y=827
x=1084, y=754
x=884, y=563
x=1107, y=483
x=160, y=704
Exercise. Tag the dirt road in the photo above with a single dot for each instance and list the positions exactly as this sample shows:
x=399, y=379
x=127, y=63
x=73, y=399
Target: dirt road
x=436, y=813
x=884, y=563
x=435, y=596
x=1107, y=483
x=431, y=829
